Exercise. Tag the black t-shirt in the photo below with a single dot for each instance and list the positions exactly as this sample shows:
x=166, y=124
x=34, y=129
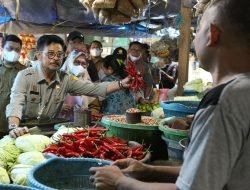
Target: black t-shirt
x=93, y=73
x=171, y=70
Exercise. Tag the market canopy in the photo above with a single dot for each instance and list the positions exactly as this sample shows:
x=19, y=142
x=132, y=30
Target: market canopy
x=63, y=16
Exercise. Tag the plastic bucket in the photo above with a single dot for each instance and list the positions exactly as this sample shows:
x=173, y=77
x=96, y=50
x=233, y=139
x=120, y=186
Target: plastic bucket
x=175, y=151
x=172, y=134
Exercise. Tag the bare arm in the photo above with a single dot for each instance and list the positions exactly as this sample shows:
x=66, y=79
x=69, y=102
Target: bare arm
x=16, y=131
x=163, y=173
x=126, y=183
x=111, y=177
x=145, y=172
x=169, y=78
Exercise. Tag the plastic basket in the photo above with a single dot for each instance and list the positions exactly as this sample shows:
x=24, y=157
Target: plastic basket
x=175, y=151
x=150, y=135
x=173, y=134
x=133, y=132
x=15, y=187
x=64, y=173
x=190, y=93
x=179, y=108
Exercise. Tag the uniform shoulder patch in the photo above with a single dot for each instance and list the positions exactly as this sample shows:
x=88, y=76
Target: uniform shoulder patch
x=28, y=71
x=72, y=77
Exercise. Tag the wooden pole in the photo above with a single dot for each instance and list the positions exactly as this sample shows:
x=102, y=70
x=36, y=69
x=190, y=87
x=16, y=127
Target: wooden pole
x=184, y=47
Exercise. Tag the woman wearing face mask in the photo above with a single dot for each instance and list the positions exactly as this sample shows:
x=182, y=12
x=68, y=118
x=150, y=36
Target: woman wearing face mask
x=76, y=64
x=95, y=56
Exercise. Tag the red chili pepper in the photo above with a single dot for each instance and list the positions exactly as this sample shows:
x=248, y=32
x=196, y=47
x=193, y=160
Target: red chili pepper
x=71, y=154
x=61, y=151
x=69, y=145
x=129, y=153
x=120, y=155
x=51, y=148
x=137, y=83
x=137, y=153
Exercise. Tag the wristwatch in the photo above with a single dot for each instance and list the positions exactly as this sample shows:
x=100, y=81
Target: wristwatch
x=12, y=126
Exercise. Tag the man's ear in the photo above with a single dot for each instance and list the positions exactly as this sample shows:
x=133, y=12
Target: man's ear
x=38, y=54
x=214, y=35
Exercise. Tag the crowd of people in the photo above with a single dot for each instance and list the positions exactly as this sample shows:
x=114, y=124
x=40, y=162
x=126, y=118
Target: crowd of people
x=217, y=155
x=49, y=98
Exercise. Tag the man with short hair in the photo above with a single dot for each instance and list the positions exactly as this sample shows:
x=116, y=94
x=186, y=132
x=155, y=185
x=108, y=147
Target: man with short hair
x=135, y=56
x=217, y=157
x=75, y=40
x=39, y=92
x=9, y=67
x=96, y=58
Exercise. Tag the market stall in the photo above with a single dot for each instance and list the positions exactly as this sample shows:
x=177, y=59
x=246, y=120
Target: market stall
x=105, y=138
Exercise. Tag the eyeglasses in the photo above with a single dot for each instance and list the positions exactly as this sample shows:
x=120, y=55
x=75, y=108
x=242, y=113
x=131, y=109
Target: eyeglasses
x=77, y=62
x=51, y=55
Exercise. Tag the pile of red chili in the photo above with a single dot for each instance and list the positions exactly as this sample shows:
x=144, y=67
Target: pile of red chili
x=93, y=143
x=137, y=82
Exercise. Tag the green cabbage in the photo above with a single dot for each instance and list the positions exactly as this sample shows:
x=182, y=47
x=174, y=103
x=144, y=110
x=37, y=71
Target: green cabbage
x=6, y=140
x=29, y=142
x=4, y=178
x=8, y=155
x=19, y=172
x=30, y=158
x=187, y=98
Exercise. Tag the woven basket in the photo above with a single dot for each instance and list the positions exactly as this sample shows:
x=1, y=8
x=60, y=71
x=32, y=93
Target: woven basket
x=64, y=173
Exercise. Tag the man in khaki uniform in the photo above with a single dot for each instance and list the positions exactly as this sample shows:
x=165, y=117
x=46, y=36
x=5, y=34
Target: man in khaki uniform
x=39, y=92
x=9, y=67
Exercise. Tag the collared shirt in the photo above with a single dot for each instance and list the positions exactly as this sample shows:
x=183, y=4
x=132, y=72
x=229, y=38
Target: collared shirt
x=217, y=156
x=32, y=96
x=7, y=77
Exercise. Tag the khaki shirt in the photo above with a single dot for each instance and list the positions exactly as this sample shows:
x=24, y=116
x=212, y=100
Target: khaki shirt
x=7, y=77
x=31, y=93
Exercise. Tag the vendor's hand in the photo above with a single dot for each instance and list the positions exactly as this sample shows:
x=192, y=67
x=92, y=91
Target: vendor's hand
x=19, y=131
x=144, y=101
x=131, y=167
x=106, y=178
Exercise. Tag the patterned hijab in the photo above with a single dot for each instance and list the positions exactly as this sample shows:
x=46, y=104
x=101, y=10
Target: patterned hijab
x=70, y=60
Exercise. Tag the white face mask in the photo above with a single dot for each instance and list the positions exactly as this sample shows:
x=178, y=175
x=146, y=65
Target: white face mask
x=77, y=70
x=95, y=52
x=10, y=56
x=133, y=58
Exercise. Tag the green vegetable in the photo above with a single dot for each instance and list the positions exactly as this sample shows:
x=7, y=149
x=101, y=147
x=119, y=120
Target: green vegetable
x=30, y=158
x=4, y=178
x=29, y=142
x=19, y=172
x=186, y=98
x=6, y=140
x=8, y=155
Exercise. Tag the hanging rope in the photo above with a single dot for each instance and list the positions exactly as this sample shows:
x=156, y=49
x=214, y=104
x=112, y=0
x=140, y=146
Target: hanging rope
x=17, y=9
x=148, y=20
